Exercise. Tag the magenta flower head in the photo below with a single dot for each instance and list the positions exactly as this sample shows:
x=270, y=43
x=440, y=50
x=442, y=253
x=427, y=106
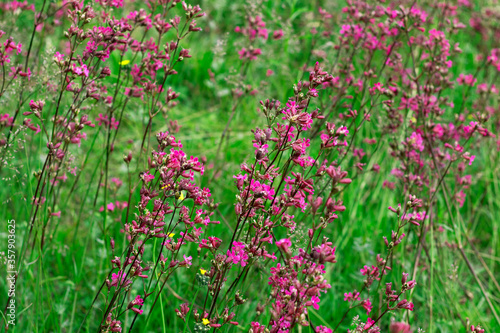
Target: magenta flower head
x=182, y=311
x=467, y=80
x=324, y=253
x=322, y=329
x=405, y=284
x=257, y=328
x=315, y=203
x=405, y=304
x=59, y=58
x=186, y=262
x=137, y=301
x=367, y=305
x=147, y=177
x=295, y=115
x=351, y=296
x=314, y=302
x=278, y=34
x=476, y=329
x=237, y=255
x=36, y=106
x=284, y=245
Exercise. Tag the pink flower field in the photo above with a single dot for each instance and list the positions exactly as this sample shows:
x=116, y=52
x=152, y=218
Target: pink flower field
x=250, y=166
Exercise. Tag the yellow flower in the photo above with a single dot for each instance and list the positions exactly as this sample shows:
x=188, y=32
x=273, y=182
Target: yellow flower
x=124, y=62
x=171, y=235
x=202, y=271
x=205, y=321
x=166, y=186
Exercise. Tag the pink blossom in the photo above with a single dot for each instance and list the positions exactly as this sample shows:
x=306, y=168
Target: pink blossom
x=278, y=34
x=147, y=177
x=367, y=305
x=467, y=80
x=322, y=329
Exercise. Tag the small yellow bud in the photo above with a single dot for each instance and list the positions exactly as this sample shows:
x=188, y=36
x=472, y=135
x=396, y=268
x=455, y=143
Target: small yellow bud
x=203, y=271
x=124, y=62
x=205, y=321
